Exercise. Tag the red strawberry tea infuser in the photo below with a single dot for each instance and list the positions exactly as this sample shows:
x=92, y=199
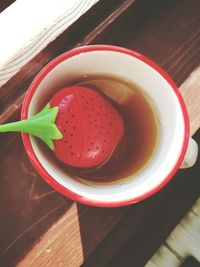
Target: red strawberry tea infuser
x=78, y=124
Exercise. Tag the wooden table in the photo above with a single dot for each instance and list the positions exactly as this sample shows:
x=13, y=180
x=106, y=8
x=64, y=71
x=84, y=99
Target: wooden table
x=39, y=227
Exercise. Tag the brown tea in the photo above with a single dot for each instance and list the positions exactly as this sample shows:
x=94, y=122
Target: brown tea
x=141, y=129
x=141, y=133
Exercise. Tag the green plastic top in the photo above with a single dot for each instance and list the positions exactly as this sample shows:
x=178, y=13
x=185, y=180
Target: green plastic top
x=41, y=125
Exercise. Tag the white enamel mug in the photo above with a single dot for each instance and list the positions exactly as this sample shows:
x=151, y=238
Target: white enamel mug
x=173, y=149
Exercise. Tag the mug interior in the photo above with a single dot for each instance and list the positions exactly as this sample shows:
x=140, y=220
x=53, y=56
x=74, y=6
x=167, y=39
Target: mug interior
x=139, y=70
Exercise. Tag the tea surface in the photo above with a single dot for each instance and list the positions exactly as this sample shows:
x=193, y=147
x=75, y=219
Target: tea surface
x=141, y=135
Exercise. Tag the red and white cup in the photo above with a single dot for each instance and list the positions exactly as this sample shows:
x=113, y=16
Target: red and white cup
x=175, y=149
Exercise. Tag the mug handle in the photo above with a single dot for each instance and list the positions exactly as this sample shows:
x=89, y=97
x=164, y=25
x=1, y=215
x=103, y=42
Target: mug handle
x=191, y=154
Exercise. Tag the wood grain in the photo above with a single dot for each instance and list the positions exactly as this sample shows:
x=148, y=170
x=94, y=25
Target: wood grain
x=64, y=234
x=190, y=90
x=28, y=205
x=62, y=244
x=5, y=3
x=48, y=231
x=39, y=253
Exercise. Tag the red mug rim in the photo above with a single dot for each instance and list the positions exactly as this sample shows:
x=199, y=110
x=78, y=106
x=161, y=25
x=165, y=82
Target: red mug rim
x=65, y=191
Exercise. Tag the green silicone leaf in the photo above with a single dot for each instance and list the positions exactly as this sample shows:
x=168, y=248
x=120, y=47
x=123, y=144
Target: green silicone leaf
x=41, y=125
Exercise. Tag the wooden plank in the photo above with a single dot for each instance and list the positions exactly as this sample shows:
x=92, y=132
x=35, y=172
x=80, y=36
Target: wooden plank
x=5, y=3
x=136, y=212
x=63, y=245
x=196, y=207
x=183, y=244
x=55, y=239
x=188, y=229
x=43, y=205
x=164, y=258
x=94, y=224
x=98, y=31
x=28, y=205
x=191, y=95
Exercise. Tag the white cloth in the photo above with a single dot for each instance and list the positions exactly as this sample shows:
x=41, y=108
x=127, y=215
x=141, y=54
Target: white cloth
x=28, y=26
